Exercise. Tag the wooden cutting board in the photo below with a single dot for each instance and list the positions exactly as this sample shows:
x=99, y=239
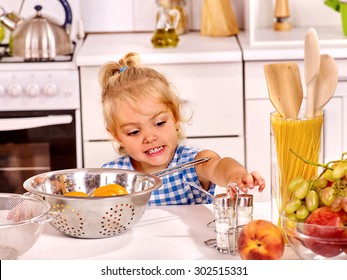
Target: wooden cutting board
x=218, y=18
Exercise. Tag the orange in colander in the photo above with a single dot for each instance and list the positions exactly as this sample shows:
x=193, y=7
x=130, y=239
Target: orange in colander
x=75, y=193
x=109, y=190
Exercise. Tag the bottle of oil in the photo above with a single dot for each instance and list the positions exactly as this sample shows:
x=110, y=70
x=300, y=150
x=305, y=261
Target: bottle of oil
x=2, y=33
x=183, y=23
x=165, y=34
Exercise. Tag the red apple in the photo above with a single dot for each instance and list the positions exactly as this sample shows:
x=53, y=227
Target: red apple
x=260, y=240
x=326, y=231
x=332, y=223
x=326, y=249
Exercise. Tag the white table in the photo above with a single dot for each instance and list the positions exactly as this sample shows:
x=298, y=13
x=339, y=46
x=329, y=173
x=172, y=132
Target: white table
x=165, y=232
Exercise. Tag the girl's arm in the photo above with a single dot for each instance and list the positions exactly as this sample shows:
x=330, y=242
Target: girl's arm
x=222, y=171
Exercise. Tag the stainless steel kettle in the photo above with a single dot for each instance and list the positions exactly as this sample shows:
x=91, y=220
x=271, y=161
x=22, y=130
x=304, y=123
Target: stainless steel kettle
x=39, y=38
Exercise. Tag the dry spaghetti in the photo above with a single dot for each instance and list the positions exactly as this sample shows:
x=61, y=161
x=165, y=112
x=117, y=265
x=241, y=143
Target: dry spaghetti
x=302, y=135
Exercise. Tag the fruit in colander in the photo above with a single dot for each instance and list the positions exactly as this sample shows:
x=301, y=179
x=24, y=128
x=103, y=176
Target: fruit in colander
x=109, y=190
x=75, y=193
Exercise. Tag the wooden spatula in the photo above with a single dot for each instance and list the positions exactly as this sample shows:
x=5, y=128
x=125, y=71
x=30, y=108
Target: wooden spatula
x=326, y=82
x=284, y=88
x=311, y=68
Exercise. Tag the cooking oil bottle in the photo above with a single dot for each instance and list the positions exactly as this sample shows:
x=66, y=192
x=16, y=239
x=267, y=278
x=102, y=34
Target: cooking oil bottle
x=183, y=23
x=167, y=21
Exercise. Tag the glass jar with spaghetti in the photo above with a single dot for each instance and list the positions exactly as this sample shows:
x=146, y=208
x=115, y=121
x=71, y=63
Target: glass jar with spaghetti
x=289, y=138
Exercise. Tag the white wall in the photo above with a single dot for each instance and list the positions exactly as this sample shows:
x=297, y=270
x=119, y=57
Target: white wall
x=139, y=15
x=112, y=15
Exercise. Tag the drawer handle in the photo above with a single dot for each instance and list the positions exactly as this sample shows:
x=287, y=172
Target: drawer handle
x=10, y=124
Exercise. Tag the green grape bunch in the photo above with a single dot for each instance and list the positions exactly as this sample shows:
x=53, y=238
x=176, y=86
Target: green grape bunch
x=329, y=188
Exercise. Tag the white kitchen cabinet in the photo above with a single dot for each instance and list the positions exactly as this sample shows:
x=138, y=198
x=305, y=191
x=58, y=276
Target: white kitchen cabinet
x=206, y=72
x=97, y=152
x=214, y=100
x=213, y=95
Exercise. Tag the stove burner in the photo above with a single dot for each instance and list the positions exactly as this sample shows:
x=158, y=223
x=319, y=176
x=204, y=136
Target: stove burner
x=6, y=57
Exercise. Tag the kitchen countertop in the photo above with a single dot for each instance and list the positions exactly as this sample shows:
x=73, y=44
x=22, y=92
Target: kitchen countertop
x=195, y=48
x=274, y=45
x=192, y=48
x=163, y=232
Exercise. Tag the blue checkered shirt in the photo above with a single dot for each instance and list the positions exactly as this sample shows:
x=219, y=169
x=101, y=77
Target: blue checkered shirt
x=176, y=187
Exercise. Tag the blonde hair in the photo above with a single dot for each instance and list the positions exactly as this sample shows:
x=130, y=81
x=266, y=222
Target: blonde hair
x=126, y=81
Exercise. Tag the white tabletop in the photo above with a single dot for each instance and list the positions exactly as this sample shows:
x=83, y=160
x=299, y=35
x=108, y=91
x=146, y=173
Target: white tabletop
x=165, y=232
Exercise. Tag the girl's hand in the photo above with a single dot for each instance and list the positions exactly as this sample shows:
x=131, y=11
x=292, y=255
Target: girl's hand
x=22, y=212
x=249, y=181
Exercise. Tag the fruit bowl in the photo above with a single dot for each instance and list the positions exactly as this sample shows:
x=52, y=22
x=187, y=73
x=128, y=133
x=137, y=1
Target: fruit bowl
x=316, y=242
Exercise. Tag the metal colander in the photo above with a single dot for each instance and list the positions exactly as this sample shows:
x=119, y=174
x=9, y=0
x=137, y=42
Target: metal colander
x=97, y=217
x=22, y=218
x=94, y=217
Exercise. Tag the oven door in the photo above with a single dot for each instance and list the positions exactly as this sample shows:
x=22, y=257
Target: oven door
x=35, y=142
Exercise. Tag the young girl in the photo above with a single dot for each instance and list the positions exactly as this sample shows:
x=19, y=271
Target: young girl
x=143, y=114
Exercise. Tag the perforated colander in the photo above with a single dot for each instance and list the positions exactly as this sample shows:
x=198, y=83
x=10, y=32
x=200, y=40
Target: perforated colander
x=22, y=218
x=97, y=217
x=94, y=217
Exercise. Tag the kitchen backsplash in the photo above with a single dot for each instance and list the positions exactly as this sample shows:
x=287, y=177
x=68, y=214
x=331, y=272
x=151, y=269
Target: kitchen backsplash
x=139, y=15
x=112, y=15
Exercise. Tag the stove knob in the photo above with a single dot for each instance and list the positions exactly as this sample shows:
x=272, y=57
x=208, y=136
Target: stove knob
x=32, y=89
x=50, y=89
x=14, y=90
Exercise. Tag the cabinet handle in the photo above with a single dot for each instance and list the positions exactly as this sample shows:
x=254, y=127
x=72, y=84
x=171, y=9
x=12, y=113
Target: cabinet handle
x=342, y=79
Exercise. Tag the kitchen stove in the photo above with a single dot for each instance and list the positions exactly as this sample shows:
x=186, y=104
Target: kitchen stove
x=40, y=123
x=6, y=57
x=38, y=85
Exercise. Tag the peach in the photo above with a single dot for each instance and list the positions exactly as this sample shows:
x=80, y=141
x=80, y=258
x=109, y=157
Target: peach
x=260, y=240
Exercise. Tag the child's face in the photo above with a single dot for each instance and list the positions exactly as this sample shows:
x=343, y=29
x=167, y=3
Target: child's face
x=149, y=135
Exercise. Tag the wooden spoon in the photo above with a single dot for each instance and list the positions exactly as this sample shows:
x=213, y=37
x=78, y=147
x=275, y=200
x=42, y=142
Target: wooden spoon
x=326, y=82
x=284, y=88
x=311, y=67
